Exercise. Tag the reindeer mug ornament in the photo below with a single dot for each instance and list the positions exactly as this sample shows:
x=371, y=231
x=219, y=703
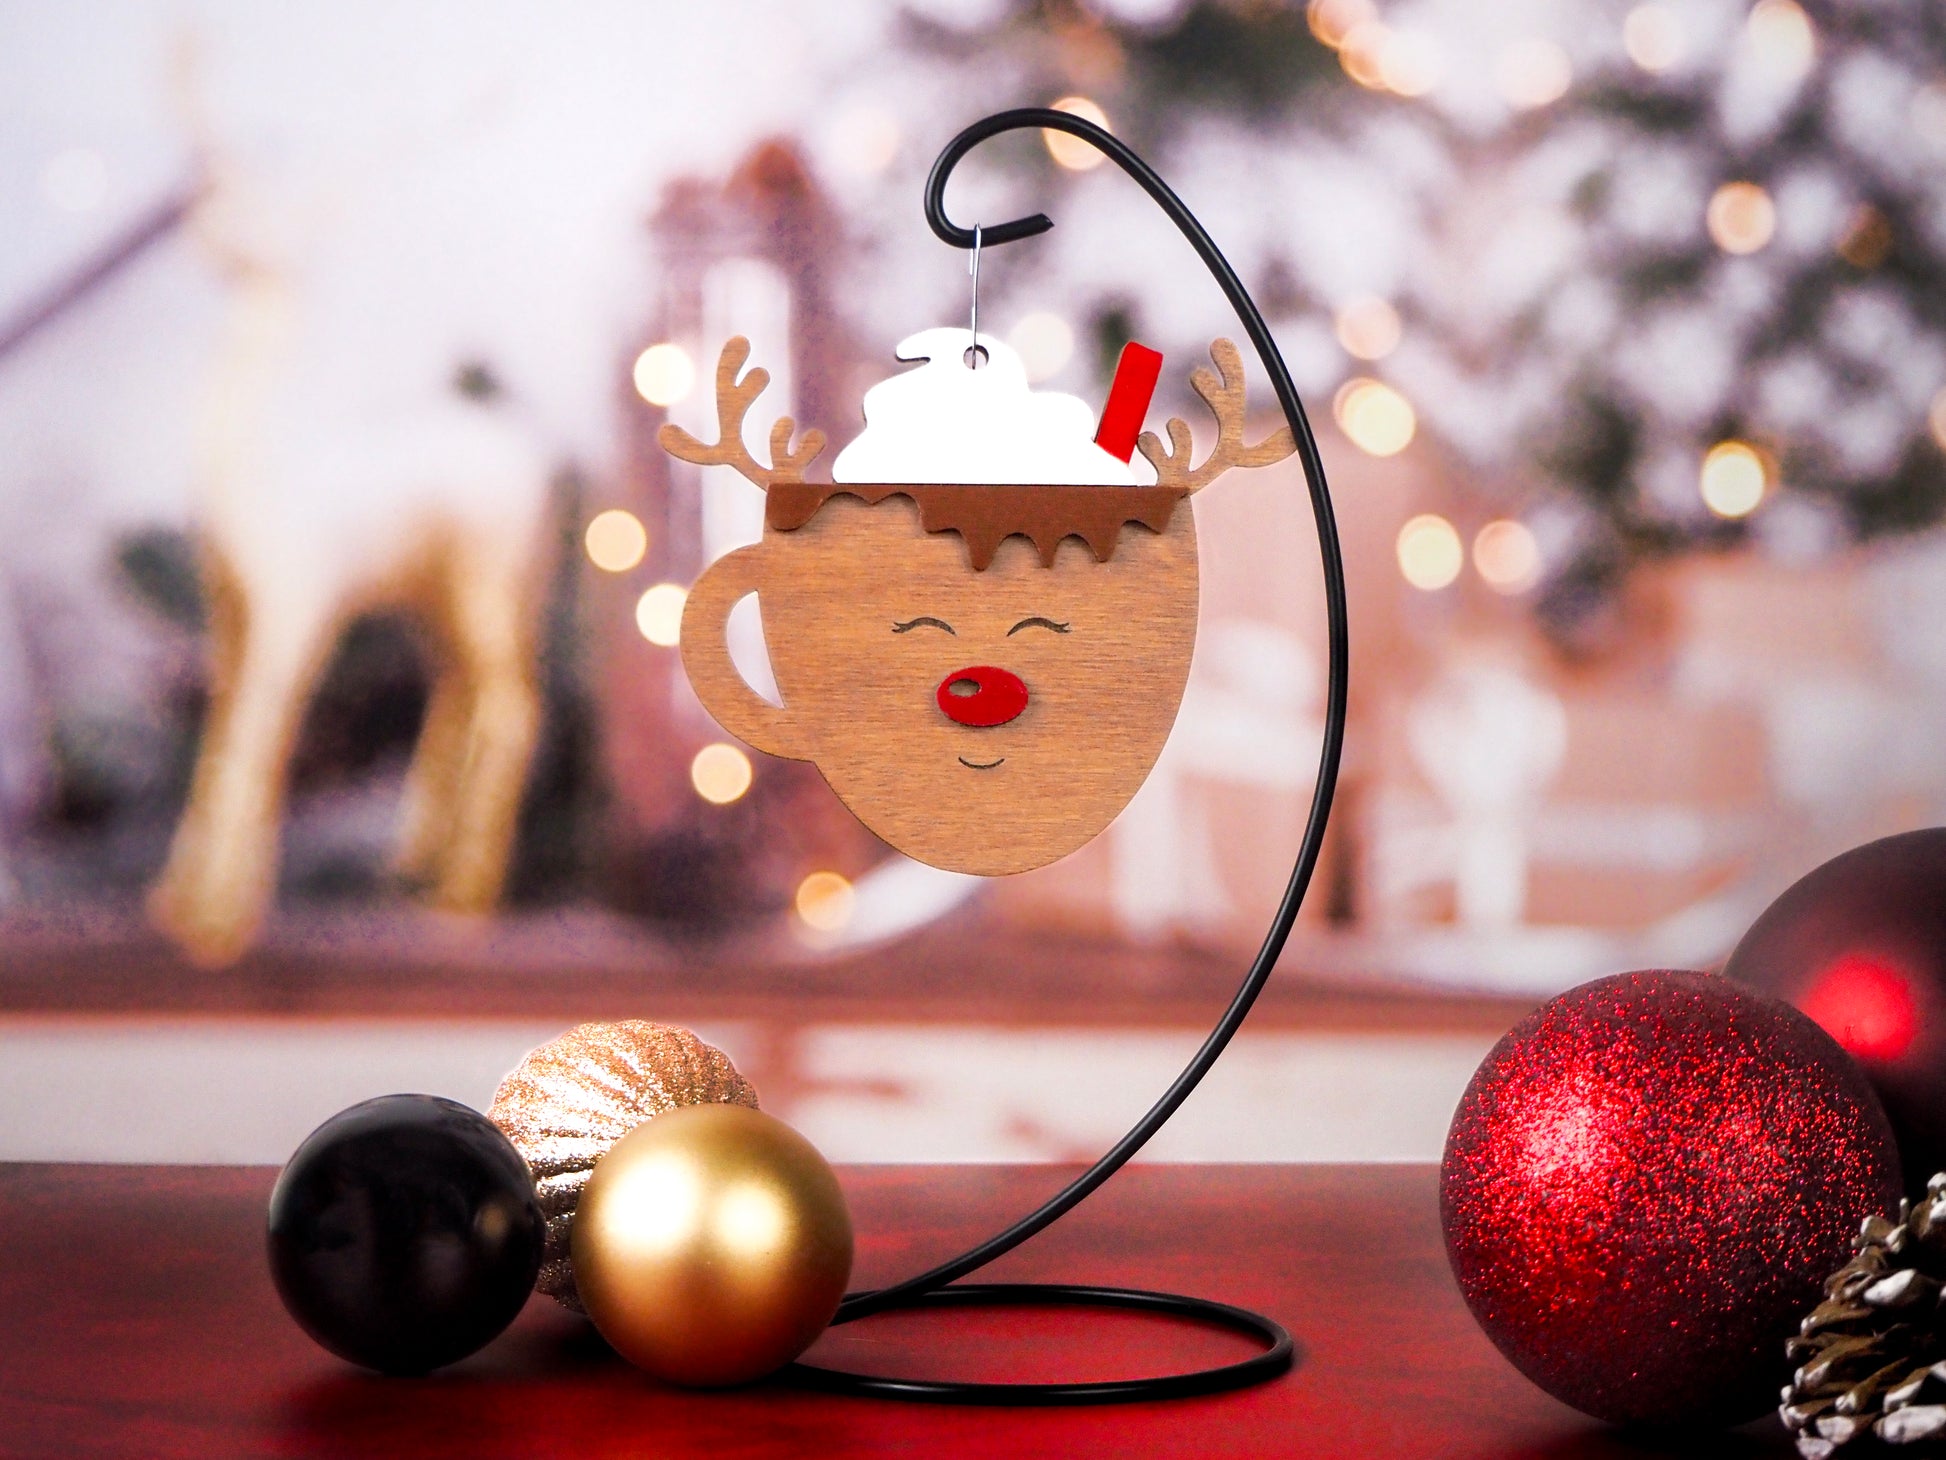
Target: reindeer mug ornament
x=982, y=628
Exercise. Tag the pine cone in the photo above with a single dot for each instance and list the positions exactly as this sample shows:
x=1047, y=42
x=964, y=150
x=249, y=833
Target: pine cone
x=1872, y=1356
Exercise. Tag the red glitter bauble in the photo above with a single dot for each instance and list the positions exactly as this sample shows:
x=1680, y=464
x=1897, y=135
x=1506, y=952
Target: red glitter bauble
x=1860, y=946
x=1645, y=1185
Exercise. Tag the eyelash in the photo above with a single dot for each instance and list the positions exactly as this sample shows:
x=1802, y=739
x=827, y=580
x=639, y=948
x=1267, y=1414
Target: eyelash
x=1027, y=623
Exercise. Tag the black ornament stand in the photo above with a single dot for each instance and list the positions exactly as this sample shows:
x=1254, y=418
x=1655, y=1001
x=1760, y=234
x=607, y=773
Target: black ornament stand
x=930, y=1289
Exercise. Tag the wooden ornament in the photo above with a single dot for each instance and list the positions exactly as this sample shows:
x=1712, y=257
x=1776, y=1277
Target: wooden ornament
x=1057, y=619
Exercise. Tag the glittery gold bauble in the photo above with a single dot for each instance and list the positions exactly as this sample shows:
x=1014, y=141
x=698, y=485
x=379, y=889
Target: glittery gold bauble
x=574, y=1097
x=712, y=1245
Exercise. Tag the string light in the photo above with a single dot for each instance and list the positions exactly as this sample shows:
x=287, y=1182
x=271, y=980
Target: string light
x=1652, y=36
x=1741, y=218
x=1377, y=419
x=1368, y=328
x=1733, y=479
x=720, y=773
x=1506, y=555
x=664, y=374
x=1071, y=152
x=1531, y=73
x=658, y=614
x=1045, y=343
x=616, y=540
x=825, y=901
x=1430, y=552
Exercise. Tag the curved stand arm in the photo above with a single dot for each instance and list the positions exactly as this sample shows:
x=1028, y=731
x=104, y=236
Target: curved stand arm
x=924, y=1288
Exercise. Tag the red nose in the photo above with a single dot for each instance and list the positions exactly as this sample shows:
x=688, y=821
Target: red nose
x=982, y=695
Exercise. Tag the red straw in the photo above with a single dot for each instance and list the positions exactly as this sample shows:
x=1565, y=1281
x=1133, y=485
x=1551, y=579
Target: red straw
x=1128, y=400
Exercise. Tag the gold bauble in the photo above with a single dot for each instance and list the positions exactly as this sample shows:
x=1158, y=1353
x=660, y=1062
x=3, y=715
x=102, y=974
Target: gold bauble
x=712, y=1245
x=574, y=1097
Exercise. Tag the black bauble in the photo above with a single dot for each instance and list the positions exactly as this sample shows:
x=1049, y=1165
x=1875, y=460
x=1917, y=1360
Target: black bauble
x=405, y=1233
x=1859, y=944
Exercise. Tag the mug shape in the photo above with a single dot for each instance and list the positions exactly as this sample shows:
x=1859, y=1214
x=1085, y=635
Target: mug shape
x=984, y=674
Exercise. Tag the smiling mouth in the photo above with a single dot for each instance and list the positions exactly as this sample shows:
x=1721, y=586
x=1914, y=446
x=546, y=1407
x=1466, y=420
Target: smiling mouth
x=974, y=765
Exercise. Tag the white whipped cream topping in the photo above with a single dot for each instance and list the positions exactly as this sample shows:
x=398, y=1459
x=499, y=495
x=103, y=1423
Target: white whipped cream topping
x=946, y=423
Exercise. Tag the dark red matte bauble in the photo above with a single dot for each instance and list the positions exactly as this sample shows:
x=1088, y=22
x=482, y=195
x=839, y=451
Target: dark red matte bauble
x=1860, y=946
x=1645, y=1185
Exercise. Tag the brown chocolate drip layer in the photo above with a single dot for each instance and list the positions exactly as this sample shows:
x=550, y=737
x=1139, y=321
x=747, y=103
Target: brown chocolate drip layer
x=986, y=516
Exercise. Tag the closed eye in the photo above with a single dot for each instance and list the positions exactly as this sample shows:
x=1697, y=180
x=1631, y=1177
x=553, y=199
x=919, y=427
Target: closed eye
x=1037, y=622
x=912, y=623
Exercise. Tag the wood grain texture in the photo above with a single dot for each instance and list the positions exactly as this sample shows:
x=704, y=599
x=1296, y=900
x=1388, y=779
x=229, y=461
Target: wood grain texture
x=733, y=401
x=859, y=690
x=137, y=1319
x=1222, y=392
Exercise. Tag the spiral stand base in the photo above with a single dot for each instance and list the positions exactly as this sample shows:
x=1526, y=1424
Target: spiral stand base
x=1278, y=1356
x=939, y=1287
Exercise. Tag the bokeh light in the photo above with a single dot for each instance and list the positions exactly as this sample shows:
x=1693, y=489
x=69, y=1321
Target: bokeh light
x=720, y=773
x=1409, y=62
x=1926, y=115
x=616, y=540
x=825, y=901
x=1359, y=52
x=1045, y=343
x=1531, y=73
x=658, y=614
x=1652, y=35
x=1332, y=20
x=1741, y=217
x=1734, y=478
x=1377, y=419
x=664, y=374
x=1781, y=37
x=1072, y=152
x=1368, y=328
x=1868, y=238
x=1506, y=555
x=1430, y=552
x=1936, y=418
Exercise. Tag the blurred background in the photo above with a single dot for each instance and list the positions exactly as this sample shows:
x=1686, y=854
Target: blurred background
x=344, y=744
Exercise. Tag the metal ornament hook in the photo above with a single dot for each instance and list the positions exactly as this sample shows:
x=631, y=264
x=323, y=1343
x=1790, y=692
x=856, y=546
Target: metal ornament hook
x=976, y=354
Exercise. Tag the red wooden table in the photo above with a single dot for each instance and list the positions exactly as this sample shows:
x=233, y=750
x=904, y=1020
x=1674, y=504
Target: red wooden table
x=137, y=1319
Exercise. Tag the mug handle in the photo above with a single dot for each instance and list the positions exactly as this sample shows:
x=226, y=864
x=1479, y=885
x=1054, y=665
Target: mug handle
x=725, y=693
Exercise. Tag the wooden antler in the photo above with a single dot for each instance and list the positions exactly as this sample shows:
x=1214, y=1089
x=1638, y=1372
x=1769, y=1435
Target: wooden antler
x=1225, y=399
x=733, y=398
